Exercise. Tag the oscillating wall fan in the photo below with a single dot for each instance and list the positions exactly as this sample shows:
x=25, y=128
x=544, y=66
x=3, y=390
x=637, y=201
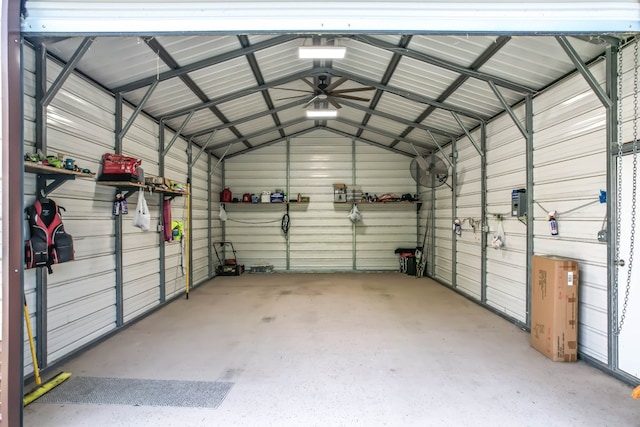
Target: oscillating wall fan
x=327, y=92
x=429, y=171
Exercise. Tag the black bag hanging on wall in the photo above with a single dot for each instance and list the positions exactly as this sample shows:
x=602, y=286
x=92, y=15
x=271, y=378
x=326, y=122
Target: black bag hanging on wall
x=49, y=243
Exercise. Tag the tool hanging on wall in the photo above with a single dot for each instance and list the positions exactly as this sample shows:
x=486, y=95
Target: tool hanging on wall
x=553, y=223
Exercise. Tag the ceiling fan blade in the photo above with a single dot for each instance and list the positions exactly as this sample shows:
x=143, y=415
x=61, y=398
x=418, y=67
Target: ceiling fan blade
x=293, y=90
x=333, y=102
x=335, y=84
x=355, y=98
x=310, y=101
x=291, y=97
x=357, y=89
x=314, y=87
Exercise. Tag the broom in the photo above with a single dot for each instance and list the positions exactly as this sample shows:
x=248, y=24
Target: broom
x=49, y=385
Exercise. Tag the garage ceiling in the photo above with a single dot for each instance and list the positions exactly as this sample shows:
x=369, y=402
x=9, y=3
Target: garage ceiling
x=237, y=93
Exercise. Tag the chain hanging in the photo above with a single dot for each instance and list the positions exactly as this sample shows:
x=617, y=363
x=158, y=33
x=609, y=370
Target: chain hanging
x=623, y=314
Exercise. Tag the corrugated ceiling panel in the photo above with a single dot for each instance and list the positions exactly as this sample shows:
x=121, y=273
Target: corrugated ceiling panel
x=537, y=61
x=189, y=49
x=227, y=77
x=244, y=106
x=129, y=59
x=351, y=114
x=265, y=137
x=461, y=50
x=476, y=96
x=422, y=78
x=376, y=137
x=169, y=96
x=280, y=61
x=364, y=60
x=387, y=125
x=400, y=107
x=441, y=119
x=255, y=127
x=201, y=120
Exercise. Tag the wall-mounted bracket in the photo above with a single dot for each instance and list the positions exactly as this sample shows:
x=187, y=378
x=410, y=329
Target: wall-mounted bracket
x=58, y=180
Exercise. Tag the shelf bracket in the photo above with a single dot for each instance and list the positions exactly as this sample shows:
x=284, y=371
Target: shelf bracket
x=128, y=193
x=58, y=180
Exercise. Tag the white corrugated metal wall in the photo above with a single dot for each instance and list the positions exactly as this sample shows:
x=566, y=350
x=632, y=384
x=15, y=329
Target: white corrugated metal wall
x=140, y=254
x=569, y=172
x=321, y=237
x=443, y=229
x=389, y=226
x=81, y=295
x=468, y=210
x=629, y=348
x=506, y=279
x=570, y=167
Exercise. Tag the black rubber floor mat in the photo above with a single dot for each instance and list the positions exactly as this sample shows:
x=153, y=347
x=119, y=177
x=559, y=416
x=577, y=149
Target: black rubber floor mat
x=138, y=392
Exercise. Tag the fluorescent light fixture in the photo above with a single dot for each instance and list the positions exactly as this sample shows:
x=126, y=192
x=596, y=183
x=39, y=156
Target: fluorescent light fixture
x=328, y=52
x=312, y=114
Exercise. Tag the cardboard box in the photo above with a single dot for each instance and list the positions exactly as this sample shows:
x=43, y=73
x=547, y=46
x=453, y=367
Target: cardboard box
x=554, y=307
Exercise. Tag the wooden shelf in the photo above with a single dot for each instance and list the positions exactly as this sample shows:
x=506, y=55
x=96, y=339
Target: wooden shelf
x=259, y=204
x=403, y=202
x=132, y=185
x=32, y=167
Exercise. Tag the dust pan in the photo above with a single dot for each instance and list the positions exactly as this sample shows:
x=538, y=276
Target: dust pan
x=45, y=388
x=53, y=382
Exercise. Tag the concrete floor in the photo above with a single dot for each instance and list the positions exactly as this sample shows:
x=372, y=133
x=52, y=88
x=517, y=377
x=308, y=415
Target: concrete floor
x=379, y=349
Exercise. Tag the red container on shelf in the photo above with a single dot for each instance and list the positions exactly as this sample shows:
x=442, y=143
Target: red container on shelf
x=225, y=195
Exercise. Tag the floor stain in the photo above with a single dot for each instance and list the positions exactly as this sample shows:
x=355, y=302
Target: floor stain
x=268, y=319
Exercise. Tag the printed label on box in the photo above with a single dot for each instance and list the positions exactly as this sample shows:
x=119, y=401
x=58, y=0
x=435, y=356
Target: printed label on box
x=570, y=278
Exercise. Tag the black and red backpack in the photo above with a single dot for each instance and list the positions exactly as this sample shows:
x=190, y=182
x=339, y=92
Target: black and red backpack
x=49, y=243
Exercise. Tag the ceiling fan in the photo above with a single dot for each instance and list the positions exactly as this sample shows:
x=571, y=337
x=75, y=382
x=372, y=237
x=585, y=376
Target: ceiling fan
x=327, y=92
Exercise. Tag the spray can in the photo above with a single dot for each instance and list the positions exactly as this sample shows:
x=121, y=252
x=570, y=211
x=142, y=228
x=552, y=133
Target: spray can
x=553, y=223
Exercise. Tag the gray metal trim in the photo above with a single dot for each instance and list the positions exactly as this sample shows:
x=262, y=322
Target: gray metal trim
x=177, y=133
x=508, y=109
x=612, y=195
x=204, y=147
x=441, y=63
x=162, y=249
x=466, y=132
x=118, y=225
x=41, y=310
x=138, y=110
x=454, y=212
x=204, y=63
x=483, y=212
x=209, y=220
x=588, y=76
x=530, y=197
x=12, y=110
x=189, y=249
x=67, y=70
x=288, y=241
x=354, y=249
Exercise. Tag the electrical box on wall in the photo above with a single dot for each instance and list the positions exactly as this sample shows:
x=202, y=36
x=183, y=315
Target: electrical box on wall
x=519, y=202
